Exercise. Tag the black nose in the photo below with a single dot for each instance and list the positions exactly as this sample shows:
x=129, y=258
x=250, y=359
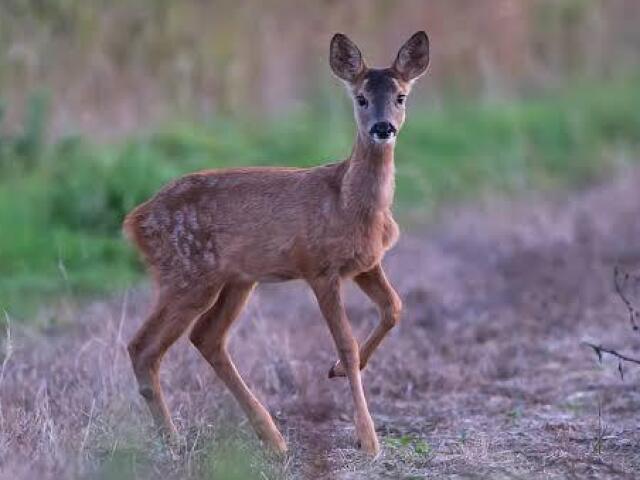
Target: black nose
x=382, y=130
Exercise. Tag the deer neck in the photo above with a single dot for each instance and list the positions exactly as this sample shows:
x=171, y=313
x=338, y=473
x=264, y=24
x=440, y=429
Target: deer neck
x=369, y=181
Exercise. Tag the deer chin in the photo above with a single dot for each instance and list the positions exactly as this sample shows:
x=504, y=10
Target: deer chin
x=384, y=140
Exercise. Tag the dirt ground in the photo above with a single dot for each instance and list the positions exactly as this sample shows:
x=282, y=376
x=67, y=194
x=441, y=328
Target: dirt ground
x=485, y=377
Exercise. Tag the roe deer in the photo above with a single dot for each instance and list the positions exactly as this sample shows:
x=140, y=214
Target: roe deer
x=210, y=236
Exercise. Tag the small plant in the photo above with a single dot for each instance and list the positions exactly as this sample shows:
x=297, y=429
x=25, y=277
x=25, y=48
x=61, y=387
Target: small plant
x=233, y=457
x=515, y=414
x=408, y=443
x=601, y=431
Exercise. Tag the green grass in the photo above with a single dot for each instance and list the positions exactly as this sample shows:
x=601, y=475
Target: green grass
x=229, y=455
x=61, y=205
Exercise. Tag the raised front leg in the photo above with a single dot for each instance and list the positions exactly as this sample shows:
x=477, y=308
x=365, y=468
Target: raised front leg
x=327, y=291
x=375, y=285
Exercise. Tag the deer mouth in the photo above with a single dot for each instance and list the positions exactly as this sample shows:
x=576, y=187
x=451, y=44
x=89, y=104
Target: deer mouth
x=382, y=139
x=383, y=132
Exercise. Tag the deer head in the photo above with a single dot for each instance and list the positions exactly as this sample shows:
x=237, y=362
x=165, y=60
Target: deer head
x=379, y=94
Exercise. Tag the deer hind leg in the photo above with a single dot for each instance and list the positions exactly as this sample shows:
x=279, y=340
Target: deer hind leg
x=327, y=291
x=172, y=314
x=375, y=285
x=210, y=336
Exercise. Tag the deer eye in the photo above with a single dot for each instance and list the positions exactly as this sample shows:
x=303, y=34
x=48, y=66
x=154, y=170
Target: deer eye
x=362, y=101
x=401, y=99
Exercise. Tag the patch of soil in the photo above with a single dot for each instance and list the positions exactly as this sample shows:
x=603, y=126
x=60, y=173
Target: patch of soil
x=485, y=376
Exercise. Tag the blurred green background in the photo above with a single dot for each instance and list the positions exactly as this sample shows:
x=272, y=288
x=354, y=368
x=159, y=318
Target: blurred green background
x=103, y=102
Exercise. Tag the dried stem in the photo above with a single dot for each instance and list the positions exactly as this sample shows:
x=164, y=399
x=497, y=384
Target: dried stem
x=599, y=349
x=633, y=312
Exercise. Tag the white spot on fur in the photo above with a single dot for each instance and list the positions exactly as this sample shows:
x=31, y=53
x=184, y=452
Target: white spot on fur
x=192, y=218
x=326, y=207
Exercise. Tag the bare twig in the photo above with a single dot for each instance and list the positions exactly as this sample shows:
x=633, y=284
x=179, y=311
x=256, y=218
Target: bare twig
x=599, y=349
x=7, y=355
x=633, y=312
x=8, y=349
x=87, y=429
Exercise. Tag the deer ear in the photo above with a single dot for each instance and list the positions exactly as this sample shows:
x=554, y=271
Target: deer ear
x=413, y=57
x=345, y=58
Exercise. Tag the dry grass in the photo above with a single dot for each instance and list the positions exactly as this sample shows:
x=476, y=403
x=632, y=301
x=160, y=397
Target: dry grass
x=114, y=67
x=486, y=375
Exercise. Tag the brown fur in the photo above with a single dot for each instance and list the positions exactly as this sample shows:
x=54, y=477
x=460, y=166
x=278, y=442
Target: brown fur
x=209, y=237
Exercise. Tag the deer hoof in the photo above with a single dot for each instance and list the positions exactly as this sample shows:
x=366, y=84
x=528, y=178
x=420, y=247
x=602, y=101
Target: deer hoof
x=169, y=436
x=337, y=370
x=370, y=446
x=277, y=445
